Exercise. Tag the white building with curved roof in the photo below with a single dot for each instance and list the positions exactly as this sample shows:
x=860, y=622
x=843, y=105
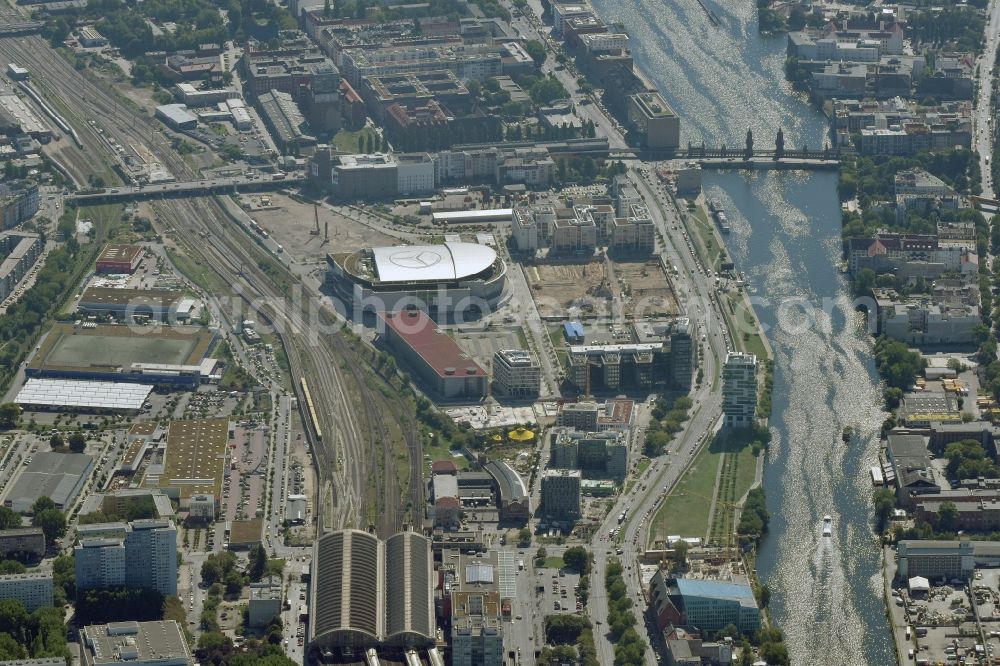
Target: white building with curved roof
x=441, y=279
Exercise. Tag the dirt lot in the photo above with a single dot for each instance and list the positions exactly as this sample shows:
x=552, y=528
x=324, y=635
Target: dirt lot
x=646, y=287
x=557, y=287
x=290, y=222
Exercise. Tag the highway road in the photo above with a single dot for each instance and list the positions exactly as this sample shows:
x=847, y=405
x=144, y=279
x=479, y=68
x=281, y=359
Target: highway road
x=983, y=123
x=696, y=289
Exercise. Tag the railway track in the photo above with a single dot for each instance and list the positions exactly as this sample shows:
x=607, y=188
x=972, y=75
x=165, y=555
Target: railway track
x=354, y=439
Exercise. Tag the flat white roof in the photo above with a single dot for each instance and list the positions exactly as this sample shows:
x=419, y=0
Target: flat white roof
x=74, y=393
x=497, y=214
x=432, y=263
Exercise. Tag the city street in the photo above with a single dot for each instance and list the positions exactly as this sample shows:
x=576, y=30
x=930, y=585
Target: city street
x=642, y=502
x=983, y=127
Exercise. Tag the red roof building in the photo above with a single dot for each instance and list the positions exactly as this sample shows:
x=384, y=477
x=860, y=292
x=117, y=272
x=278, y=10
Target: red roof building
x=444, y=467
x=120, y=259
x=437, y=359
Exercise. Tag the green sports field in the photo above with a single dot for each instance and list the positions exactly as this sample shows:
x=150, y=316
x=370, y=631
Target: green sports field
x=77, y=347
x=95, y=350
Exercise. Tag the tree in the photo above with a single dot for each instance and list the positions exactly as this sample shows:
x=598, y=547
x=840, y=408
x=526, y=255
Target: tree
x=730, y=631
x=885, y=503
x=52, y=522
x=537, y=51
x=947, y=517
x=765, y=596
x=524, y=537
x=9, y=519
x=11, y=567
x=680, y=553
x=77, y=442
x=656, y=442
x=9, y=414
x=864, y=281
x=42, y=503
x=578, y=559
x=56, y=441
x=257, y=564
x=967, y=460
x=564, y=629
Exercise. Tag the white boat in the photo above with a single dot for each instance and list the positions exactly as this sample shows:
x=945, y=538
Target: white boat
x=827, y=525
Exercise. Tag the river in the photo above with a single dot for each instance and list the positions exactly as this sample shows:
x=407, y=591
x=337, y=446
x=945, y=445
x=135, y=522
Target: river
x=826, y=597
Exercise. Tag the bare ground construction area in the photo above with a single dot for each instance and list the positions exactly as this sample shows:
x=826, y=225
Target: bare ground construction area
x=293, y=224
x=556, y=287
x=645, y=288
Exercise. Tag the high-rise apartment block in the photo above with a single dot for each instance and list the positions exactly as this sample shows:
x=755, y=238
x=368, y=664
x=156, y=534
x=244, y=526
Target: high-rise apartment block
x=140, y=554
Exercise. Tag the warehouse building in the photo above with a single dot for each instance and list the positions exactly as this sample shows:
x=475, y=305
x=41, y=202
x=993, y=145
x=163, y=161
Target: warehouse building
x=436, y=358
x=285, y=122
x=369, y=593
x=59, y=394
x=130, y=304
x=177, y=116
x=159, y=643
x=58, y=476
x=120, y=259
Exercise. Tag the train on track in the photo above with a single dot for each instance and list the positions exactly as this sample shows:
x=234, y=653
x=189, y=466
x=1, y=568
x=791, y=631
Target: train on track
x=312, y=409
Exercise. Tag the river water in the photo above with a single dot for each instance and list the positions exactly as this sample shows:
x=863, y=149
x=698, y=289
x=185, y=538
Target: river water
x=722, y=80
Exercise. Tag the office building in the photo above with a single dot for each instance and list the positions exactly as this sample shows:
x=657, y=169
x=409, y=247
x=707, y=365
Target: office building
x=739, y=389
x=476, y=623
x=159, y=643
x=141, y=554
x=590, y=416
x=598, y=455
x=561, y=494
x=656, y=122
x=33, y=589
x=708, y=605
x=516, y=374
x=265, y=601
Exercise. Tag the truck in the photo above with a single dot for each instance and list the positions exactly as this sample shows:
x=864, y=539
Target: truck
x=621, y=517
x=520, y=565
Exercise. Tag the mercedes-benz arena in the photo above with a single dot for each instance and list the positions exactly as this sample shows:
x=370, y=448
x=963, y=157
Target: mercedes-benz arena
x=440, y=279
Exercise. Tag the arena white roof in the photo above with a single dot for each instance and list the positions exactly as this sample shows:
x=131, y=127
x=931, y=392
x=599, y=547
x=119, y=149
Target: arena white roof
x=74, y=393
x=432, y=263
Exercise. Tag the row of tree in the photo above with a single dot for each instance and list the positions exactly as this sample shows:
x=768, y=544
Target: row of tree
x=630, y=649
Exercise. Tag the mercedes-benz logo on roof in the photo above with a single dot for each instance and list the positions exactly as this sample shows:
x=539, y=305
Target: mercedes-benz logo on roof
x=415, y=258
